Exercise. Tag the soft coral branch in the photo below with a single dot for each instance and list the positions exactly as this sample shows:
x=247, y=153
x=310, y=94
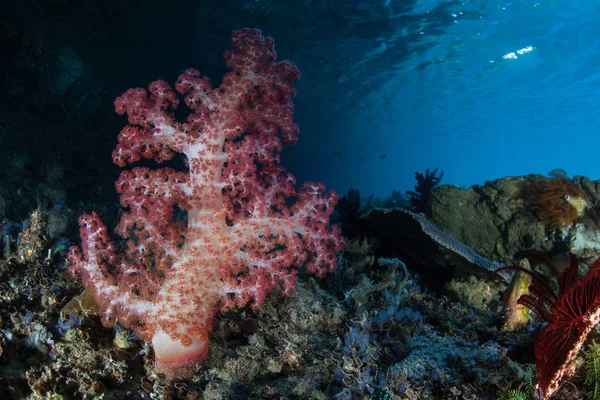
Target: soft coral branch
x=248, y=228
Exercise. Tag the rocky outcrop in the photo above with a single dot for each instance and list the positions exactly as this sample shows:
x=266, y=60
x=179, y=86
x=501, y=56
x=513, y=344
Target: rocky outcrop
x=496, y=219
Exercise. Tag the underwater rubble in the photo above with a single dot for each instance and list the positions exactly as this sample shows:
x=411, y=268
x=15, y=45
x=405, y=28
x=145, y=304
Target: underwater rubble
x=415, y=310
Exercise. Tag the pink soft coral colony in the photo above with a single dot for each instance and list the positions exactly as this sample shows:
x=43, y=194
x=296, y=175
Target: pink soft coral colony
x=248, y=228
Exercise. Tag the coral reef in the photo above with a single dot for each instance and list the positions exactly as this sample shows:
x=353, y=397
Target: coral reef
x=373, y=329
x=412, y=311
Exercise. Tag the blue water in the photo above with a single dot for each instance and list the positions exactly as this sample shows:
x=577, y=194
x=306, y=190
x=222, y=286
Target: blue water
x=452, y=101
x=388, y=87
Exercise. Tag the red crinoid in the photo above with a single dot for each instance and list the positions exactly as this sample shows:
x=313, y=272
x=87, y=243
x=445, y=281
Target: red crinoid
x=572, y=310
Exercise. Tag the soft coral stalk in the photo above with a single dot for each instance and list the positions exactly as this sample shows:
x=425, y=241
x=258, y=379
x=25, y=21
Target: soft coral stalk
x=248, y=228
